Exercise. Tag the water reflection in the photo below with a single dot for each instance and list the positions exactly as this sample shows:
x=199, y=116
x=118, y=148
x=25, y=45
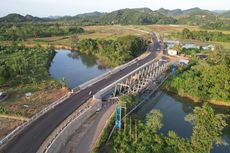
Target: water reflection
x=174, y=111
x=75, y=67
x=88, y=60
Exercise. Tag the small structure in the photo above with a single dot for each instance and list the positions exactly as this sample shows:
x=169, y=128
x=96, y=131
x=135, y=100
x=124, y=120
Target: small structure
x=28, y=95
x=209, y=47
x=184, y=62
x=171, y=43
x=118, y=117
x=190, y=46
x=3, y=96
x=202, y=56
x=172, y=52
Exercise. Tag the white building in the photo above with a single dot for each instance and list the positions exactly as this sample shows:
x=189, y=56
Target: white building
x=190, y=46
x=209, y=47
x=171, y=43
x=184, y=62
x=172, y=52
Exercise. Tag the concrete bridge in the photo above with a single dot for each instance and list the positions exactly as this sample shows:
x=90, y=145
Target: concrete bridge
x=130, y=79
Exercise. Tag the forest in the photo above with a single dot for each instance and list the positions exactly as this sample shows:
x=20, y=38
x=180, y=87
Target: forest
x=204, y=80
x=19, y=32
x=114, y=52
x=143, y=136
x=205, y=35
x=136, y=16
x=19, y=65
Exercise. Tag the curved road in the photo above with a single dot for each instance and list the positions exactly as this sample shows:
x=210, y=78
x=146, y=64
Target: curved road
x=31, y=138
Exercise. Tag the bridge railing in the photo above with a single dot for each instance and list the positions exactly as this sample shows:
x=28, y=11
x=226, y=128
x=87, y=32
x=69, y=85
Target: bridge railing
x=105, y=75
x=54, y=104
x=32, y=119
x=104, y=91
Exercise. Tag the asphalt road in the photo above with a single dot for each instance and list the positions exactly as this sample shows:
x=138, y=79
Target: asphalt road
x=85, y=138
x=31, y=138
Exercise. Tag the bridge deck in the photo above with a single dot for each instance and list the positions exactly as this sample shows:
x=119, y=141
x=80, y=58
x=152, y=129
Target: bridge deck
x=30, y=139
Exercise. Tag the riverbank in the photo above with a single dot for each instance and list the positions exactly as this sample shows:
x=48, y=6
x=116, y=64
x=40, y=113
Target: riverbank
x=193, y=99
x=25, y=78
x=47, y=45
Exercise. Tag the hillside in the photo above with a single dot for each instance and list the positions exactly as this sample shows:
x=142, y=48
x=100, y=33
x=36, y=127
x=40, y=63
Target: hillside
x=136, y=16
x=179, y=12
x=225, y=14
x=139, y=16
x=166, y=12
x=19, y=18
x=91, y=14
x=198, y=17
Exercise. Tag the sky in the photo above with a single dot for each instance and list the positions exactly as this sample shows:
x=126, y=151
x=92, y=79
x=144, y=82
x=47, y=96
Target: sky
x=44, y=8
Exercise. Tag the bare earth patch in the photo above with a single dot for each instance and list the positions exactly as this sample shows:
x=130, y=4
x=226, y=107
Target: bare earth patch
x=27, y=107
x=30, y=106
x=7, y=125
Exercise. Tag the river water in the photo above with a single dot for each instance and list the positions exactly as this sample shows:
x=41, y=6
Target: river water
x=174, y=110
x=77, y=68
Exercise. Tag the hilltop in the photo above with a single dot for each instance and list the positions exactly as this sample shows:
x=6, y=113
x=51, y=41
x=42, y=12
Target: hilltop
x=139, y=16
x=20, y=18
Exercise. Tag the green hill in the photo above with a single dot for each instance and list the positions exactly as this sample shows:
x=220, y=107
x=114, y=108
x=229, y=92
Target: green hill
x=136, y=16
x=19, y=18
x=179, y=12
x=91, y=14
x=225, y=14
x=196, y=11
x=166, y=12
x=196, y=18
x=139, y=16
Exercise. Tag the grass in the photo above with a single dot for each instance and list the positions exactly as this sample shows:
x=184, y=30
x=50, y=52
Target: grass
x=114, y=31
x=104, y=32
x=226, y=45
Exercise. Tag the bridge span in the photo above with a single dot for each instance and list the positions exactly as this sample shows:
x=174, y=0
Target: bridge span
x=31, y=138
x=135, y=81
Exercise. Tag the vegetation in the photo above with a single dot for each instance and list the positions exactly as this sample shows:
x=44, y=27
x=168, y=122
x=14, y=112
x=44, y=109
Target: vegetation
x=139, y=16
x=19, y=18
x=13, y=32
x=205, y=35
x=6, y=111
x=25, y=70
x=206, y=80
x=19, y=65
x=136, y=17
x=139, y=136
x=114, y=52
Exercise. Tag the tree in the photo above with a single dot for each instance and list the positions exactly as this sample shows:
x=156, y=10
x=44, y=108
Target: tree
x=154, y=120
x=178, y=48
x=207, y=129
x=74, y=40
x=186, y=33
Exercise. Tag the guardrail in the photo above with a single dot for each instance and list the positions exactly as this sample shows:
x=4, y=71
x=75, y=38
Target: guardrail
x=103, y=76
x=67, y=128
x=32, y=119
x=53, y=105
x=111, y=86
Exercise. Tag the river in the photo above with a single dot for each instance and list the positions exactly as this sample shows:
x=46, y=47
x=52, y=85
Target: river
x=174, y=110
x=75, y=67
